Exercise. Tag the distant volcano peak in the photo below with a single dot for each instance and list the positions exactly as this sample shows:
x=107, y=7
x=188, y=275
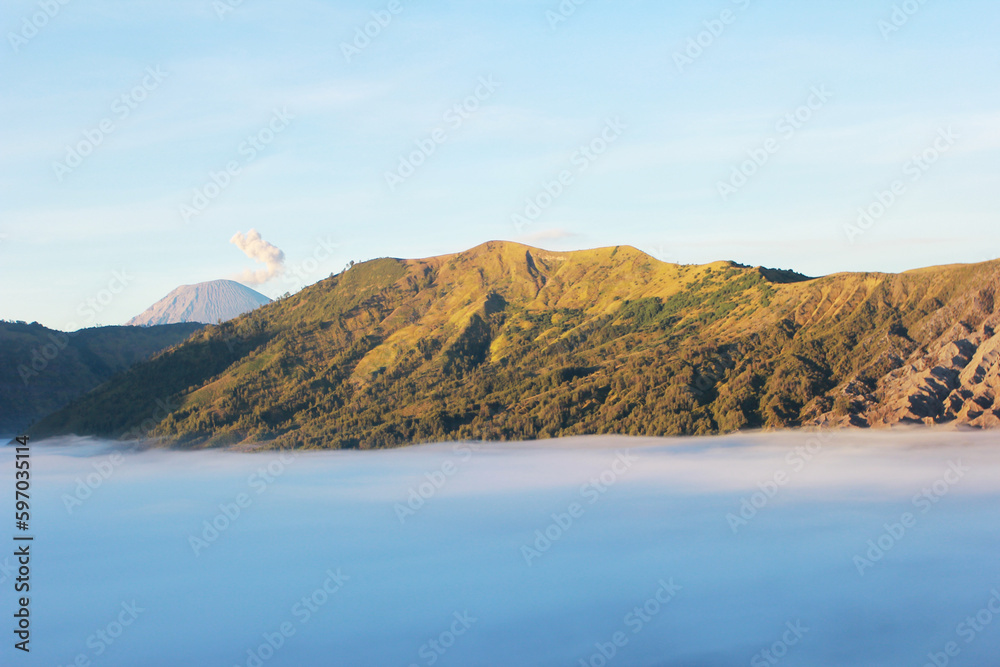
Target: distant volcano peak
x=209, y=303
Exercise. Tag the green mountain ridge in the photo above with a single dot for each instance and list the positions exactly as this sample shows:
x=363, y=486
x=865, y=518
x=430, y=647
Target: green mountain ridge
x=505, y=341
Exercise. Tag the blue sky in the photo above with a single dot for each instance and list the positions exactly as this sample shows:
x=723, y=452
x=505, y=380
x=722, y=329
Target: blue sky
x=224, y=69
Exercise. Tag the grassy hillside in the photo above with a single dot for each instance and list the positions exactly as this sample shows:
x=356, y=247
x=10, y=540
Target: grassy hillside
x=41, y=370
x=507, y=342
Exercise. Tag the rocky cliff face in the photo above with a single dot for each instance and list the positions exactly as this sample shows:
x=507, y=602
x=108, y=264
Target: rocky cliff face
x=953, y=378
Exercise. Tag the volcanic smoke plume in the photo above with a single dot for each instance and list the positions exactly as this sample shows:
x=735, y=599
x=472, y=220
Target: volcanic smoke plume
x=260, y=251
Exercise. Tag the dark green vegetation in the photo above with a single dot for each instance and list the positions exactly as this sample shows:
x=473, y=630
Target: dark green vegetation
x=509, y=342
x=42, y=370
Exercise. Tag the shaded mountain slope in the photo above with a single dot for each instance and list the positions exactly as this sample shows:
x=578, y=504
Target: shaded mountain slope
x=41, y=369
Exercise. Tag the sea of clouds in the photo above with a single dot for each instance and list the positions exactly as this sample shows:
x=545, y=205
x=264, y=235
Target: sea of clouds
x=862, y=548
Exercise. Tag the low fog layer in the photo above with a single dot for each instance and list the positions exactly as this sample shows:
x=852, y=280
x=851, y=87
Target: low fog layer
x=795, y=549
